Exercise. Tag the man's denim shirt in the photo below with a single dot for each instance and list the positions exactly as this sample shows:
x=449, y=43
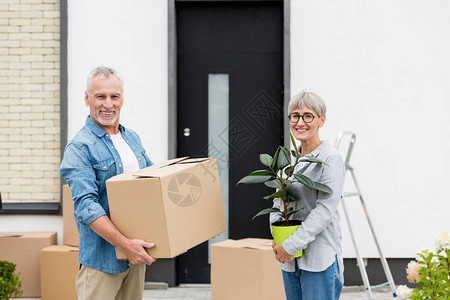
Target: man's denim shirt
x=89, y=160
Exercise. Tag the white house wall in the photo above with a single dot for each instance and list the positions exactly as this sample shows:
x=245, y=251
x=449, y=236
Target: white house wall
x=382, y=67
x=384, y=70
x=130, y=36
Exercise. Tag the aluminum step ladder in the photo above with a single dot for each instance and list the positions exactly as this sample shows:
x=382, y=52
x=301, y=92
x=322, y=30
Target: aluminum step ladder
x=390, y=281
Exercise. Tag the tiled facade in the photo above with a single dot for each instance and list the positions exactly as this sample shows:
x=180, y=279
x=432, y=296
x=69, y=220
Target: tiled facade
x=29, y=100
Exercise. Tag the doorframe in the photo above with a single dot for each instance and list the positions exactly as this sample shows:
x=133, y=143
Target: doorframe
x=172, y=69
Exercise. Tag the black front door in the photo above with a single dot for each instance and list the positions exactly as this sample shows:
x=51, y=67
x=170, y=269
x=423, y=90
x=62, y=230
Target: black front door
x=229, y=105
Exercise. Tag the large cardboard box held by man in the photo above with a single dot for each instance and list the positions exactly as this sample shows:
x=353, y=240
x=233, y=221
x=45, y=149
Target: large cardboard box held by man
x=176, y=204
x=24, y=250
x=70, y=230
x=59, y=268
x=245, y=269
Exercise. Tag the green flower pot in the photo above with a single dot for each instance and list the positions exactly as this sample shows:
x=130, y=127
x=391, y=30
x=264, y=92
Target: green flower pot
x=281, y=232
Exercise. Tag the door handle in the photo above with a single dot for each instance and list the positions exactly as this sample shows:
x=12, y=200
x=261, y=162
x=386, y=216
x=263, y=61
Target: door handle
x=187, y=132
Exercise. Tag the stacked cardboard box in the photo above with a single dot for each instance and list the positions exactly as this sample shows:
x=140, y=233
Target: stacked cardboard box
x=59, y=263
x=24, y=250
x=59, y=268
x=245, y=269
x=176, y=204
x=70, y=231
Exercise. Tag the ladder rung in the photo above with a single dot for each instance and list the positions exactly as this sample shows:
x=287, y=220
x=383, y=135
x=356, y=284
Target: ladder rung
x=351, y=194
x=380, y=285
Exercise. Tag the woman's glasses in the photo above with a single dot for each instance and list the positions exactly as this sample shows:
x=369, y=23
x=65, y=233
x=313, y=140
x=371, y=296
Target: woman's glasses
x=307, y=117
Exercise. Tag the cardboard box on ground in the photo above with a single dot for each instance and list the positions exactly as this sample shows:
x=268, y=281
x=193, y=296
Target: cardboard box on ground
x=59, y=269
x=70, y=230
x=24, y=250
x=176, y=204
x=245, y=269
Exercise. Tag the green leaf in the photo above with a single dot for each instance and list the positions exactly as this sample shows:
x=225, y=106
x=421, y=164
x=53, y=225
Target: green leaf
x=323, y=188
x=290, y=198
x=286, y=152
x=305, y=180
x=260, y=172
x=254, y=179
x=275, y=158
x=290, y=213
x=283, y=158
x=287, y=182
x=312, y=159
x=266, y=159
x=288, y=170
x=278, y=194
x=267, y=211
x=275, y=184
x=295, y=152
x=293, y=140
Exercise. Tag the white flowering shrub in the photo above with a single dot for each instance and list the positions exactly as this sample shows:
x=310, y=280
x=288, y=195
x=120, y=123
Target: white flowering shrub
x=431, y=270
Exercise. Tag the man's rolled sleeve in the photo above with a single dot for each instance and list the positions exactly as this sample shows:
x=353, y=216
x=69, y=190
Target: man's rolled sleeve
x=77, y=169
x=90, y=213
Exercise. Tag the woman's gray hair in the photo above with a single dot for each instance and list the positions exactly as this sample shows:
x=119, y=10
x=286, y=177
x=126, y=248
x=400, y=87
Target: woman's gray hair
x=104, y=72
x=311, y=100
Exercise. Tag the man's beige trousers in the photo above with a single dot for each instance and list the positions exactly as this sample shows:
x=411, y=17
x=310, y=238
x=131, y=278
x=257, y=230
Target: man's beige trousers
x=92, y=284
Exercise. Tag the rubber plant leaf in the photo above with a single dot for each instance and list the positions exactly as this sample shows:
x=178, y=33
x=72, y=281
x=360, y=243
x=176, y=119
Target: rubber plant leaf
x=266, y=159
x=323, y=188
x=312, y=159
x=275, y=158
x=254, y=179
x=290, y=198
x=267, y=211
x=288, y=170
x=278, y=194
x=275, y=184
x=287, y=182
x=305, y=180
x=283, y=159
x=291, y=213
x=260, y=173
x=293, y=143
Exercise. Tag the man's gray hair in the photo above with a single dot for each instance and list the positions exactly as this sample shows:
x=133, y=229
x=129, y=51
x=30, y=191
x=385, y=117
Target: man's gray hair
x=311, y=100
x=104, y=72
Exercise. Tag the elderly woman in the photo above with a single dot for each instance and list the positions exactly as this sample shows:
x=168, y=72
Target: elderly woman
x=318, y=274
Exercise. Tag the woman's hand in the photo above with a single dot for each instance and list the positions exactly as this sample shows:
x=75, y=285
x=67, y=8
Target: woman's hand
x=281, y=255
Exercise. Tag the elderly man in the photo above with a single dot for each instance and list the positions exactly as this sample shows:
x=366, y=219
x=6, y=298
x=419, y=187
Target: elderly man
x=101, y=149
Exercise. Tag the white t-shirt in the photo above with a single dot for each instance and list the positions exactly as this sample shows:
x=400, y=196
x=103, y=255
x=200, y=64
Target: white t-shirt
x=129, y=160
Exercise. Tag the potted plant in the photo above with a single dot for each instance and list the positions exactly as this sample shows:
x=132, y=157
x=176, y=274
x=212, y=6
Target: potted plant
x=279, y=174
x=10, y=285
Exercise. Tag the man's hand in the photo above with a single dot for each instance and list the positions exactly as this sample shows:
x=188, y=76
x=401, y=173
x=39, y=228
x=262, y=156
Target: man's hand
x=280, y=254
x=135, y=252
x=133, y=249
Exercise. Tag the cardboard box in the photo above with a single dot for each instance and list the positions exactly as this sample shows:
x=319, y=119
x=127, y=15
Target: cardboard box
x=176, y=204
x=245, y=269
x=59, y=269
x=24, y=249
x=70, y=230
